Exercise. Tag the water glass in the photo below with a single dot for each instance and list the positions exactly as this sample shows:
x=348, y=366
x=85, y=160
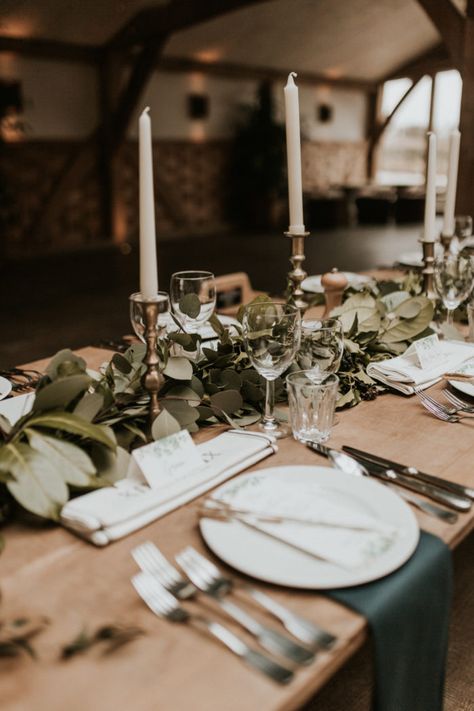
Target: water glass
x=200, y=283
x=453, y=280
x=322, y=346
x=312, y=405
x=136, y=313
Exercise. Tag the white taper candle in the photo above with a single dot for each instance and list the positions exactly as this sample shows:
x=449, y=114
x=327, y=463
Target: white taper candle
x=148, y=264
x=293, y=151
x=450, y=203
x=429, y=232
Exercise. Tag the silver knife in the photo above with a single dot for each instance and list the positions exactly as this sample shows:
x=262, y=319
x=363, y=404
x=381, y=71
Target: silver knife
x=454, y=501
x=411, y=471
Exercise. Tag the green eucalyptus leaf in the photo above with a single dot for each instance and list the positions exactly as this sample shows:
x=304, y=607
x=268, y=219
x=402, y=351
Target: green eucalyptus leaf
x=60, y=360
x=68, y=422
x=60, y=392
x=179, y=368
x=74, y=465
x=210, y=354
x=205, y=412
x=164, y=425
x=181, y=411
x=252, y=392
x=216, y=325
x=362, y=305
x=394, y=299
x=38, y=486
x=246, y=420
x=228, y=401
x=121, y=363
x=407, y=329
x=182, y=339
x=182, y=392
x=111, y=466
x=89, y=406
x=347, y=399
x=230, y=379
x=190, y=305
x=197, y=386
x=409, y=309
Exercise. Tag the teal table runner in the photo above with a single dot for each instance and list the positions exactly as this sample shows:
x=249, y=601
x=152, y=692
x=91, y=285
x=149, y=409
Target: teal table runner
x=408, y=615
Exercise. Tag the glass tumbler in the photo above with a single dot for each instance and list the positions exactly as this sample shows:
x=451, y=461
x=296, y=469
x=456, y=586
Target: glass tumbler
x=312, y=405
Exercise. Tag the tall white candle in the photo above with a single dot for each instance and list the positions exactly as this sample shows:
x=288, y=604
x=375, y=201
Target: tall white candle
x=148, y=264
x=293, y=151
x=450, y=204
x=429, y=233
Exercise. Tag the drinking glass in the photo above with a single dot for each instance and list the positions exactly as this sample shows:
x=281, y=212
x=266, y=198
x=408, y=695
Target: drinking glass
x=271, y=335
x=453, y=279
x=322, y=346
x=136, y=313
x=200, y=283
x=312, y=405
x=463, y=227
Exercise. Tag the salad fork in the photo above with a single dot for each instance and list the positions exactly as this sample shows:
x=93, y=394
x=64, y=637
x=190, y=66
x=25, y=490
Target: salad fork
x=165, y=605
x=438, y=410
x=269, y=639
x=459, y=404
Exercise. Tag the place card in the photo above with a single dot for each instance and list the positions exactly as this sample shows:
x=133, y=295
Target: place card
x=169, y=463
x=428, y=351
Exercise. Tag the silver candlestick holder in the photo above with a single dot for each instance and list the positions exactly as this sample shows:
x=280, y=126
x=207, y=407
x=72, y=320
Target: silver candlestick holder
x=152, y=379
x=297, y=274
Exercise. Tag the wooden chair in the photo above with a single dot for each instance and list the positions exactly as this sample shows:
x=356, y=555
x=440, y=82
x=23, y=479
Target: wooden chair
x=232, y=291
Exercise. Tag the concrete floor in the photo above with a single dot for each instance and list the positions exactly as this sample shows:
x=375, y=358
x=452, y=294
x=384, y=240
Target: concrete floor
x=78, y=299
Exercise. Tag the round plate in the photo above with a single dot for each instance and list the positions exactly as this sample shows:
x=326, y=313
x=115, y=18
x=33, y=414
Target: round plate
x=313, y=283
x=5, y=387
x=466, y=388
x=260, y=556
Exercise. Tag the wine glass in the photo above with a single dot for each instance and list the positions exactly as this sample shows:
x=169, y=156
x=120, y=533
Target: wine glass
x=136, y=313
x=453, y=280
x=271, y=335
x=202, y=285
x=321, y=349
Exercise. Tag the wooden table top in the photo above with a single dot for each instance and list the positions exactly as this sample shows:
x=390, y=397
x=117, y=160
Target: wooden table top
x=51, y=572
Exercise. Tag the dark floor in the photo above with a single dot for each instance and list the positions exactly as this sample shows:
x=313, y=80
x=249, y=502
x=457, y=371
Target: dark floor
x=73, y=300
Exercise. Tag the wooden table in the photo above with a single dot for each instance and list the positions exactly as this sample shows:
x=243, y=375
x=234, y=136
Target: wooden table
x=51, y=572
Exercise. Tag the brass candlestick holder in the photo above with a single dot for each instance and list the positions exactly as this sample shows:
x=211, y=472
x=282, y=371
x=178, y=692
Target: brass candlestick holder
x=297, y=274
x=428, y=269
x=152, y=380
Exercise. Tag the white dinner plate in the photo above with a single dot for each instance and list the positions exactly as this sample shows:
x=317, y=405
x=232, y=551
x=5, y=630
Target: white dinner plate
x=313, y=283
x=5, y=387
x=205, y=331
x=265, y=558
x=466, y=388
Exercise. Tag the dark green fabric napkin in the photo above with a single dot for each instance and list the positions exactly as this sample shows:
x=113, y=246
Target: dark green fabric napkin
x=408, y=615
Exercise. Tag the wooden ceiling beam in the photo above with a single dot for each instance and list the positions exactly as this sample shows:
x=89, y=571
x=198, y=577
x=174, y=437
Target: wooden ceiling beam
x=229, y=70
x=171, y=17
x=435, y=59
x=50, y=49
x=449, y=21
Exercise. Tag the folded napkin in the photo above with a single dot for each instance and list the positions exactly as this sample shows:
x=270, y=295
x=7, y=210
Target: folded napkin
x=408, y=615
x=16, y=407
x=337, y=533
x=114, y=512
x=404, y=372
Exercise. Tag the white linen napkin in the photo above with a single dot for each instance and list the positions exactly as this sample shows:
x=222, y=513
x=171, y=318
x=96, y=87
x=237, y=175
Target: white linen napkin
x=111, y=513
x=404, y=372
x=347, y=547
x=14, y=408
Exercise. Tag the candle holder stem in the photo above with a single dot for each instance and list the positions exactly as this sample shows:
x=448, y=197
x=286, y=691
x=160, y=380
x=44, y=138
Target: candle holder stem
x=152, y=379
x=428, y=269
x=297, y=274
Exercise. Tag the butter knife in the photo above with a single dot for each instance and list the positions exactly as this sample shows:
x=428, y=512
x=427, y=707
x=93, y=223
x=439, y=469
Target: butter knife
x=447, y=498
x=411, y=471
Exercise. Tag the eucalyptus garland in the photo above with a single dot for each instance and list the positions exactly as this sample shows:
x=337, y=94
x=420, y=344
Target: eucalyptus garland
x=83, y=425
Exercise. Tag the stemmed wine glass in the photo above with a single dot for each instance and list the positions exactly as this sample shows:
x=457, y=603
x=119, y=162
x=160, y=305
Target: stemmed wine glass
x=271, y=334
x=453, y=280
x=321, y=349
x=201, y=284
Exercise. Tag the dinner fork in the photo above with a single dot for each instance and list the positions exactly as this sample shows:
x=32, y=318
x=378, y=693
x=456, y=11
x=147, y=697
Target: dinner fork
x=436, y=403
x=270, y=639
x=438, y=410
x=165, y=605
x=149, y=558
x=461, y=405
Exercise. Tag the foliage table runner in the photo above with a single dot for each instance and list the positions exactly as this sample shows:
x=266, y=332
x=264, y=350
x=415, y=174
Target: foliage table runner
x=49, y=572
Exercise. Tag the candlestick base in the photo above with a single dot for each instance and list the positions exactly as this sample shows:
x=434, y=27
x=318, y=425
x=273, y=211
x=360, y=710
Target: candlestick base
x=297, y=274
x=428, y=269
x=152, y=379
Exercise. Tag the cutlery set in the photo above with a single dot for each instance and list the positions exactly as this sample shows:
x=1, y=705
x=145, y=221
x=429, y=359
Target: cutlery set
x=162, y=586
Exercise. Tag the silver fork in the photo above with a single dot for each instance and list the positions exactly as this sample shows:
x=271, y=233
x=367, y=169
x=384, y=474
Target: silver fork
x=269, y=639
x=299, y=627
x=460, y=405
x=437, y=409
x=165, y=605
x=436, y=403
x=150, y=559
